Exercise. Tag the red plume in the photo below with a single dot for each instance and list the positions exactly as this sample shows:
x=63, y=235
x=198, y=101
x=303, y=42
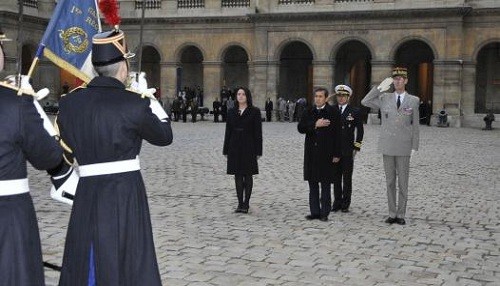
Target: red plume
x=109, y=8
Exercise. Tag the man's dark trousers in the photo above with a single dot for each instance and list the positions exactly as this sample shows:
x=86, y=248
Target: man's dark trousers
x=342, y=187
x=318, y=210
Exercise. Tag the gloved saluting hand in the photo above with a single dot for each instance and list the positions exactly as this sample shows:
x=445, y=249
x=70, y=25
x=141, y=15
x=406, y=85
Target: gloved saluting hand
x=140, y=85
x=385, y=84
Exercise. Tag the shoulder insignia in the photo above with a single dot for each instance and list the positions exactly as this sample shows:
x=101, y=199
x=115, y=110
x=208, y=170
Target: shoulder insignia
x=142, y=95
x=75, y=89
x=17, y=89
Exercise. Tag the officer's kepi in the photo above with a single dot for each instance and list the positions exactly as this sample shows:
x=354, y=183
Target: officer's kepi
x=109, y=48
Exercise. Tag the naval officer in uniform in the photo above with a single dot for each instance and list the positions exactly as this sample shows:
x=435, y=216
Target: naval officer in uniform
x=399, y=137
x=109, y=239
x=350, y=143
x=22, y=138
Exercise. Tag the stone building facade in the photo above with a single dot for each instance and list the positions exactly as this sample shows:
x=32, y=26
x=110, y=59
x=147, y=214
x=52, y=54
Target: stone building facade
x=283, y=48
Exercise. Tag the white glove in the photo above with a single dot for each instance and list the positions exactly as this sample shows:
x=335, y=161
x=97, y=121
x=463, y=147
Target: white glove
x=67, y=186
x=26, y=88
x=47, y=124
x=158, y=110
x=385, y=84
x=140, y=85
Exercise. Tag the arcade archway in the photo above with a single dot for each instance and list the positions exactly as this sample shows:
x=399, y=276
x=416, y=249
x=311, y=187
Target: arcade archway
x=487, y=97
x=190, y=70
x=235, y=67
x=151, y=66
x=352, y=67
x=418, y=57
x=295, y=71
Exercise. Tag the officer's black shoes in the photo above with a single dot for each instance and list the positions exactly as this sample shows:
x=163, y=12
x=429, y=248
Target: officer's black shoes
x=400, y=221
x=323, y=218
x=335, y=208
x=244, y=210
x=391, y=220
x=311, y=217
x=345, y=210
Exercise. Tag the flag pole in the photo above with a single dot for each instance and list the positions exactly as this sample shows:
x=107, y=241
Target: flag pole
x=19, y=42
x=139, y=56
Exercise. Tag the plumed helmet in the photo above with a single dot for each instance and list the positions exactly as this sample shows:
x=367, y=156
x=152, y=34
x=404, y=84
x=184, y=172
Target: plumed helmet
x=109, y=48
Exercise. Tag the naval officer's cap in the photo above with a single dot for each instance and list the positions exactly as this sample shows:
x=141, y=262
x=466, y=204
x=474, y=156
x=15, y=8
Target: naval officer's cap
x=343, y=90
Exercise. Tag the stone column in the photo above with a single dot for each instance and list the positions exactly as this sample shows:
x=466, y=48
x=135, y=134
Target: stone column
x=323, y=75
x=168, y=81
x=258, y=81
x=448, y=89
x=272, y=80
x=447, y=86
x=468, y=88
x=381, y=69
x=211, y=81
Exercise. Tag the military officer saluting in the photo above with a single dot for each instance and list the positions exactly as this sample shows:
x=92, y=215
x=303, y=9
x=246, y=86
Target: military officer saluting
x=399, y=137
x=109, y=239
x=22, y=138
x=349, y=144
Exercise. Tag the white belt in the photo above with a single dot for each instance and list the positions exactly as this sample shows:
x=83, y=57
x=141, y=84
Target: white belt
x=110, y=167
x=14, y=187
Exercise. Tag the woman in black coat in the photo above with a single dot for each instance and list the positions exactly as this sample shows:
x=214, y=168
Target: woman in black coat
x=321, y=124
x=243, y=145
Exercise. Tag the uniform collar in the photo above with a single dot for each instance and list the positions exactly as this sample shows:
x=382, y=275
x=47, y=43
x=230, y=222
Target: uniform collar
x=105, y=81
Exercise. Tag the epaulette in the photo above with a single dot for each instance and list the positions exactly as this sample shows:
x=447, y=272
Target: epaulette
x=142, y=95
x=16, y=89
x=75, y=89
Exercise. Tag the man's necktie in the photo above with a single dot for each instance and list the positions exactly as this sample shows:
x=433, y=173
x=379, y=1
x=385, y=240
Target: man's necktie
x=340, y=109
x=399, y=101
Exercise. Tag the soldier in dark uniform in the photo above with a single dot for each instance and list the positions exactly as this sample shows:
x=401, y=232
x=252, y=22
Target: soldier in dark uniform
x=109, y=239
x=22, y=138
x=184, y=110
x=216, y=105
x=194, y=110
x=269, y=109
x=176, y=106
x=351, y=121
x=321, y=125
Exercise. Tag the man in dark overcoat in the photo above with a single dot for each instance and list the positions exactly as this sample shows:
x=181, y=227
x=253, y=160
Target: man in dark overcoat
x=109, y=239
x=321, y=124
x=22, y=138
x=351, y=122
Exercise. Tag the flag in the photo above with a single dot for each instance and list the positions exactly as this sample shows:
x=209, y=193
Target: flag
x=67, y=41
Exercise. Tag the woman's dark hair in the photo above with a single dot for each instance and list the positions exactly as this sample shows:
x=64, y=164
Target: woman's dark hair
x=248, y=95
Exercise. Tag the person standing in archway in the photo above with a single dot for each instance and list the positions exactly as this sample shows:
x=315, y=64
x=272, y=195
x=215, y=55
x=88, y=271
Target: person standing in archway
x=399, y=137
x=243, y=145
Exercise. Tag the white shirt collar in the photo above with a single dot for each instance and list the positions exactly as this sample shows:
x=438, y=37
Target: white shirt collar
x=402, y=95
x=319, y=108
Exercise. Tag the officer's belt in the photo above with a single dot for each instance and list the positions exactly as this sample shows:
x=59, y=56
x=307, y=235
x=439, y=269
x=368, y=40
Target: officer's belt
x=108, y=168
x=14, y=187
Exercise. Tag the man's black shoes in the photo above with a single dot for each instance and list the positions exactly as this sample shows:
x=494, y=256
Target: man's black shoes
x=391, y=220
x=345, y=210
x=323, y=218
x=311, y=217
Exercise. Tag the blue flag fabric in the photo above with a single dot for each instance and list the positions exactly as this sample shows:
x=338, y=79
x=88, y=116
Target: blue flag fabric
x=68, y=38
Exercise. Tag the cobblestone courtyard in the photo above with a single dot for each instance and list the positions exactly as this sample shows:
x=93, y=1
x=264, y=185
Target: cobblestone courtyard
x=452, y=236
